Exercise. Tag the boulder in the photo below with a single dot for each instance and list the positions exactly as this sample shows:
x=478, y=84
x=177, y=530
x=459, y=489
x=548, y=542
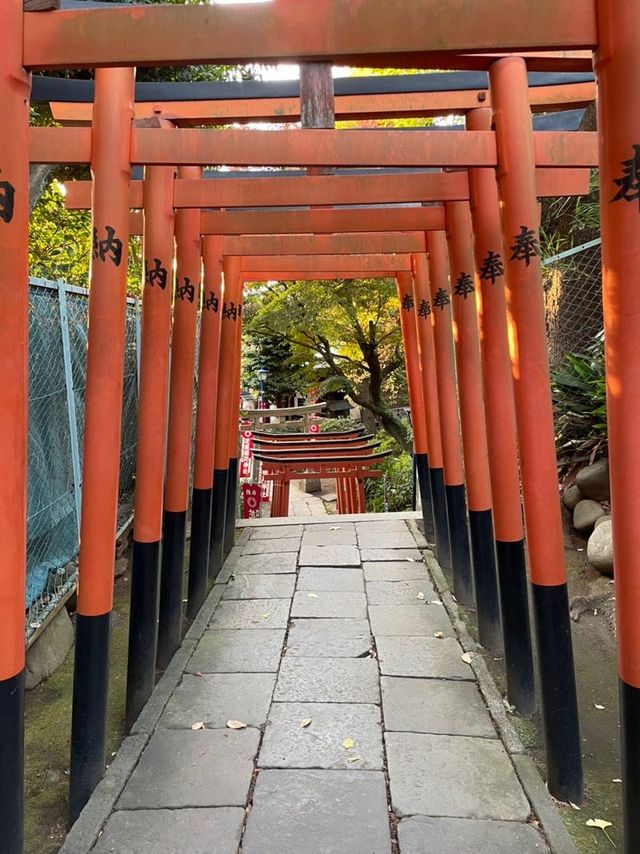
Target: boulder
x=572, y=495
x=585, y=515
x=605, y=518
x=593, y=481
x=49, y=650
x=600, y=548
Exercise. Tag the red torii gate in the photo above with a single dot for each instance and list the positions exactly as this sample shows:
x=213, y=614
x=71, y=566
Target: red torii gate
x=413, y=36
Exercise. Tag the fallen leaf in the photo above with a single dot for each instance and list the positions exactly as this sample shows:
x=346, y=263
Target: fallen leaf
x=598, y=706
x=236, y=725
x=466, y=657
x=354, y=759
x=616, y=780
x=420, y=595
x=436, y=602
x=575, y=806
x=347, y=743
x=602, y=825
x=197, y=673
x=412, y=560
x=312, y=595
x=198, y=725
x=305, y=722
x=438, y=635
x=265, y=616
x=335, y=528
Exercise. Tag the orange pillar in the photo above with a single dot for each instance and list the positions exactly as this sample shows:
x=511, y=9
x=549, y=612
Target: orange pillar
x=424, y=328
x=617, y=66
x=205, y=424
x=449, y=417
x=152, y=431
x=472, y=417
x=234, y=434
x=15, y=86
x=416, y=397
x=181, y=390
x=226, y=409
x=110, y=142
x=521, y=241
x=501, y=429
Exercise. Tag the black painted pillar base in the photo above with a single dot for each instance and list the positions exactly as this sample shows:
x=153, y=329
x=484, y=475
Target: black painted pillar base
x=485, y=578
x=459, y=538
x=516, y=625
x=199, y=550
x=630, y=752
x=230, y=509
x=443, y=546
x=89, y=713
x=12, y=764
x=218, y=513
x=558, y=690
x=143, y=628
x=426, y=500
x=174, y=526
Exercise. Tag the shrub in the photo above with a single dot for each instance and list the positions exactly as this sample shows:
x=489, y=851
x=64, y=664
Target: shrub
x=397, y=477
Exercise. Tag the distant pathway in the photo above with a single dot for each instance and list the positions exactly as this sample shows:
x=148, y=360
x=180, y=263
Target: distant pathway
x=361, y=729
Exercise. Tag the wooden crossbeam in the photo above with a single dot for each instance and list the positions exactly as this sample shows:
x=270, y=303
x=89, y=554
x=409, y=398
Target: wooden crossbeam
x=311, y=263
x=387, y=33
x=347, y=107
x=314, y=275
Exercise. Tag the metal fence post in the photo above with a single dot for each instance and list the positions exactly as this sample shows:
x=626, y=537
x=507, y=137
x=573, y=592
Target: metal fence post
x=137, y=328
x=71, y=398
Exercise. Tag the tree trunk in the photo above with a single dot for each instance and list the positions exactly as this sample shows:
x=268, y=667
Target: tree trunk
x=38, y=177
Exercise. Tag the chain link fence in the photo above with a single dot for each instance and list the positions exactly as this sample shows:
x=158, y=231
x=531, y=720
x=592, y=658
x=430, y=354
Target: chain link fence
x=573, y=299
x=58, y=321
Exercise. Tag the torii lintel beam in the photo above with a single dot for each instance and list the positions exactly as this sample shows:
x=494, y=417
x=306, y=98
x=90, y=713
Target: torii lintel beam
x=323, y=221
x=306, y=147
x=347, y=107
x=316, y=275
x=342, y=264
x=387, y=33
x=397, y=188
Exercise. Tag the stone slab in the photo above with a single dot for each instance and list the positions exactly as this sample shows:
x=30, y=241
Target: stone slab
x=383, y=525
x=273, y=586
x=338, y=579
x=277, y=533
x=467, y=836
x=399, y=592
x=474, y=776
x=238, y=651
x=326, y=680
x=409, y=620
x=324, y=604
x=333, y=812
x=251, y=614
x=182, y=769
x=329, y=638
x=329, y=556
x=208, y=831
x=385, y=539
x=273, y=546
x=330, y=535
x=395, y=571
x=263, y=564
x=372, y=554
x=288, y=744
x=434, y=706
x=422, y=657
x=215, y=698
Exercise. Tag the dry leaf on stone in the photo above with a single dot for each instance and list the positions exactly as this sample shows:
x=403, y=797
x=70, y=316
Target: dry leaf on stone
x=347, y=743
x=265, y=616
x=436, y=602
x=354, y=759
x=312, y=595
x=236, y=725
x=598, y=706
x=616, y=780
x=335, y=528
x=198, y=725
x=196, y=673
x=466, y=657
x=420, y=595
x=438, y=635
x=305, y=722
x=412, y=560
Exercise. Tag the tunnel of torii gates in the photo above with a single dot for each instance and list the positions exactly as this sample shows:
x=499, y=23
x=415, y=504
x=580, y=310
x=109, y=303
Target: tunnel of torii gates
x=467, y=262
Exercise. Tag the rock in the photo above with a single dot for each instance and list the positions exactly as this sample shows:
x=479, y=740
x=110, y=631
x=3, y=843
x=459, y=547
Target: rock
x=593, y=481
x=572, y=495
x=605, y=518
x=585, y=515
x=600, y=548
x=121, y=566
x=49, y=650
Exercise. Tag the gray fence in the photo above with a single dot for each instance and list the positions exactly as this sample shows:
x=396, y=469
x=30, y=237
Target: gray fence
x=57, y=375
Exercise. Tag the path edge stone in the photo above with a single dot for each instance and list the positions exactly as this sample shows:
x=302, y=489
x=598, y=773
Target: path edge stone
x=542, y=804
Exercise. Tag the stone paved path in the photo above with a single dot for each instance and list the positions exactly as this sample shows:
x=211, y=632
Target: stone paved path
x=365, y=731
